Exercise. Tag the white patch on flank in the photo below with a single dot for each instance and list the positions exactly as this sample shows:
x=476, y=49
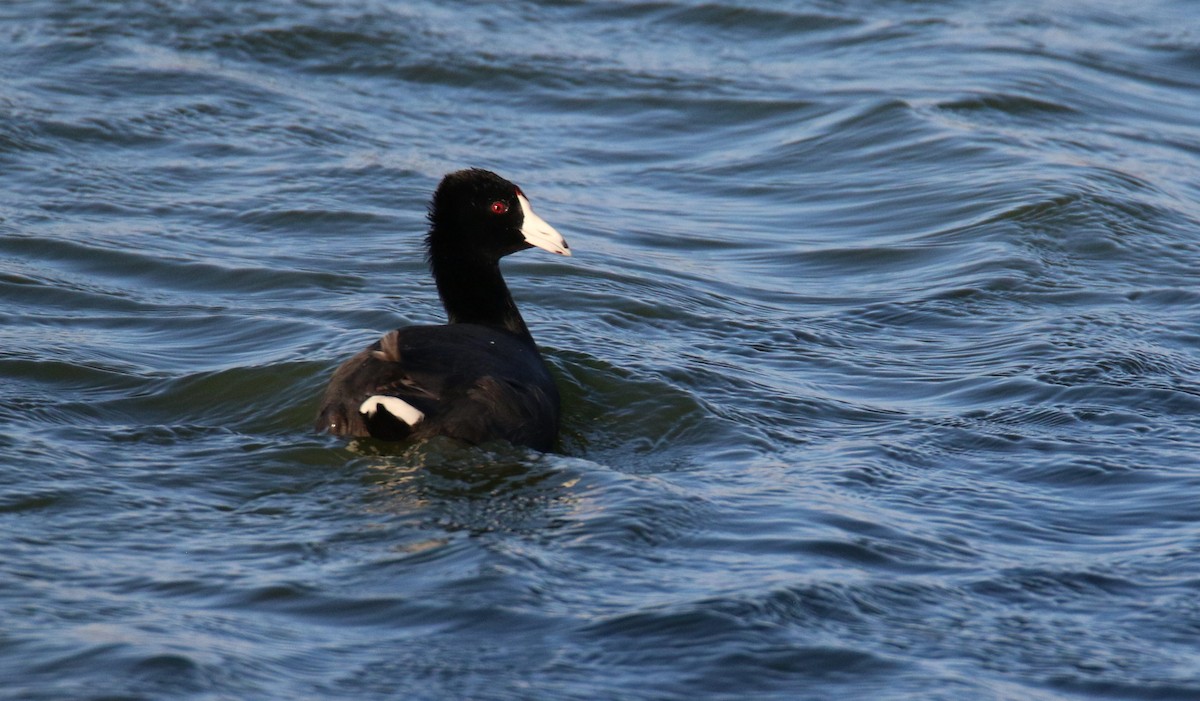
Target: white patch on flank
x=538, y=233
x=399, y=408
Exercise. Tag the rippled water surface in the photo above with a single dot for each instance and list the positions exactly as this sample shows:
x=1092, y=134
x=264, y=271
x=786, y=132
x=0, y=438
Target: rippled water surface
x=880, y=350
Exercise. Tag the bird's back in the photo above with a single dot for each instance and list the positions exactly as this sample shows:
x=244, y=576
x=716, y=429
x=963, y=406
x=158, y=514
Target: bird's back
x=470, y=382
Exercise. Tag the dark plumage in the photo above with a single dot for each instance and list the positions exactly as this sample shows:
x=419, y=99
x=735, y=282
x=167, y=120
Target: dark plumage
x=480, y=376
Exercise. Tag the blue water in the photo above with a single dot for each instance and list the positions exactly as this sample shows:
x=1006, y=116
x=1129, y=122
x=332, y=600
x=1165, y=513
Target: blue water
x=880, y=350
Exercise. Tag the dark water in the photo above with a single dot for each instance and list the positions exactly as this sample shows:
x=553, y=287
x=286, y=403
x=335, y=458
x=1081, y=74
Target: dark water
x=880, y=350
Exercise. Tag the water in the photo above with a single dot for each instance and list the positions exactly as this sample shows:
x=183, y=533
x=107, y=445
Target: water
x=879, y=350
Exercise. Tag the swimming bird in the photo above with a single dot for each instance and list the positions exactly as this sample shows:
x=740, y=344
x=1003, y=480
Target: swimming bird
x=480, y=376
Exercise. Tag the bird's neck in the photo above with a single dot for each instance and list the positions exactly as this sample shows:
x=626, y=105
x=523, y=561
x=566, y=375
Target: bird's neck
x=473, y=292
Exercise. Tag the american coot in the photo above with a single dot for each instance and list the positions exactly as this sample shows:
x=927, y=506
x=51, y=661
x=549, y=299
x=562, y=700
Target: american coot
x=480, y=376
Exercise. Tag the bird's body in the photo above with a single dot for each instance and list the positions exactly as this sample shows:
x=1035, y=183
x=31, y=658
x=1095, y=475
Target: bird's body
x=479, y=377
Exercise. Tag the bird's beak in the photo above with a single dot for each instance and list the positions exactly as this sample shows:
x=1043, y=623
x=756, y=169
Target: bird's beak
x=538, y=233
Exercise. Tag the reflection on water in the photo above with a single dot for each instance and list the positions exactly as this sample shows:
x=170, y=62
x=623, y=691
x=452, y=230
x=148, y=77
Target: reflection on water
x=453, y=487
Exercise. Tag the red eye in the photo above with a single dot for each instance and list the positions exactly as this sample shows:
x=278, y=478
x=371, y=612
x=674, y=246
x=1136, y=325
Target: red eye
x=499, y=207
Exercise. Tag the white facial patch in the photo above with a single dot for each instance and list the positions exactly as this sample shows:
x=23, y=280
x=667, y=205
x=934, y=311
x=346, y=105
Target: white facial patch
x=399, y=408
x=538, y=233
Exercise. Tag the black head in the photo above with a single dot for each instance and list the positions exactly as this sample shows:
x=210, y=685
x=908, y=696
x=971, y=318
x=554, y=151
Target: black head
x=476, y=213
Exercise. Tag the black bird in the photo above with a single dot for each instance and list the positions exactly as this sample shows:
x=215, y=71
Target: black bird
x=480, y=376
